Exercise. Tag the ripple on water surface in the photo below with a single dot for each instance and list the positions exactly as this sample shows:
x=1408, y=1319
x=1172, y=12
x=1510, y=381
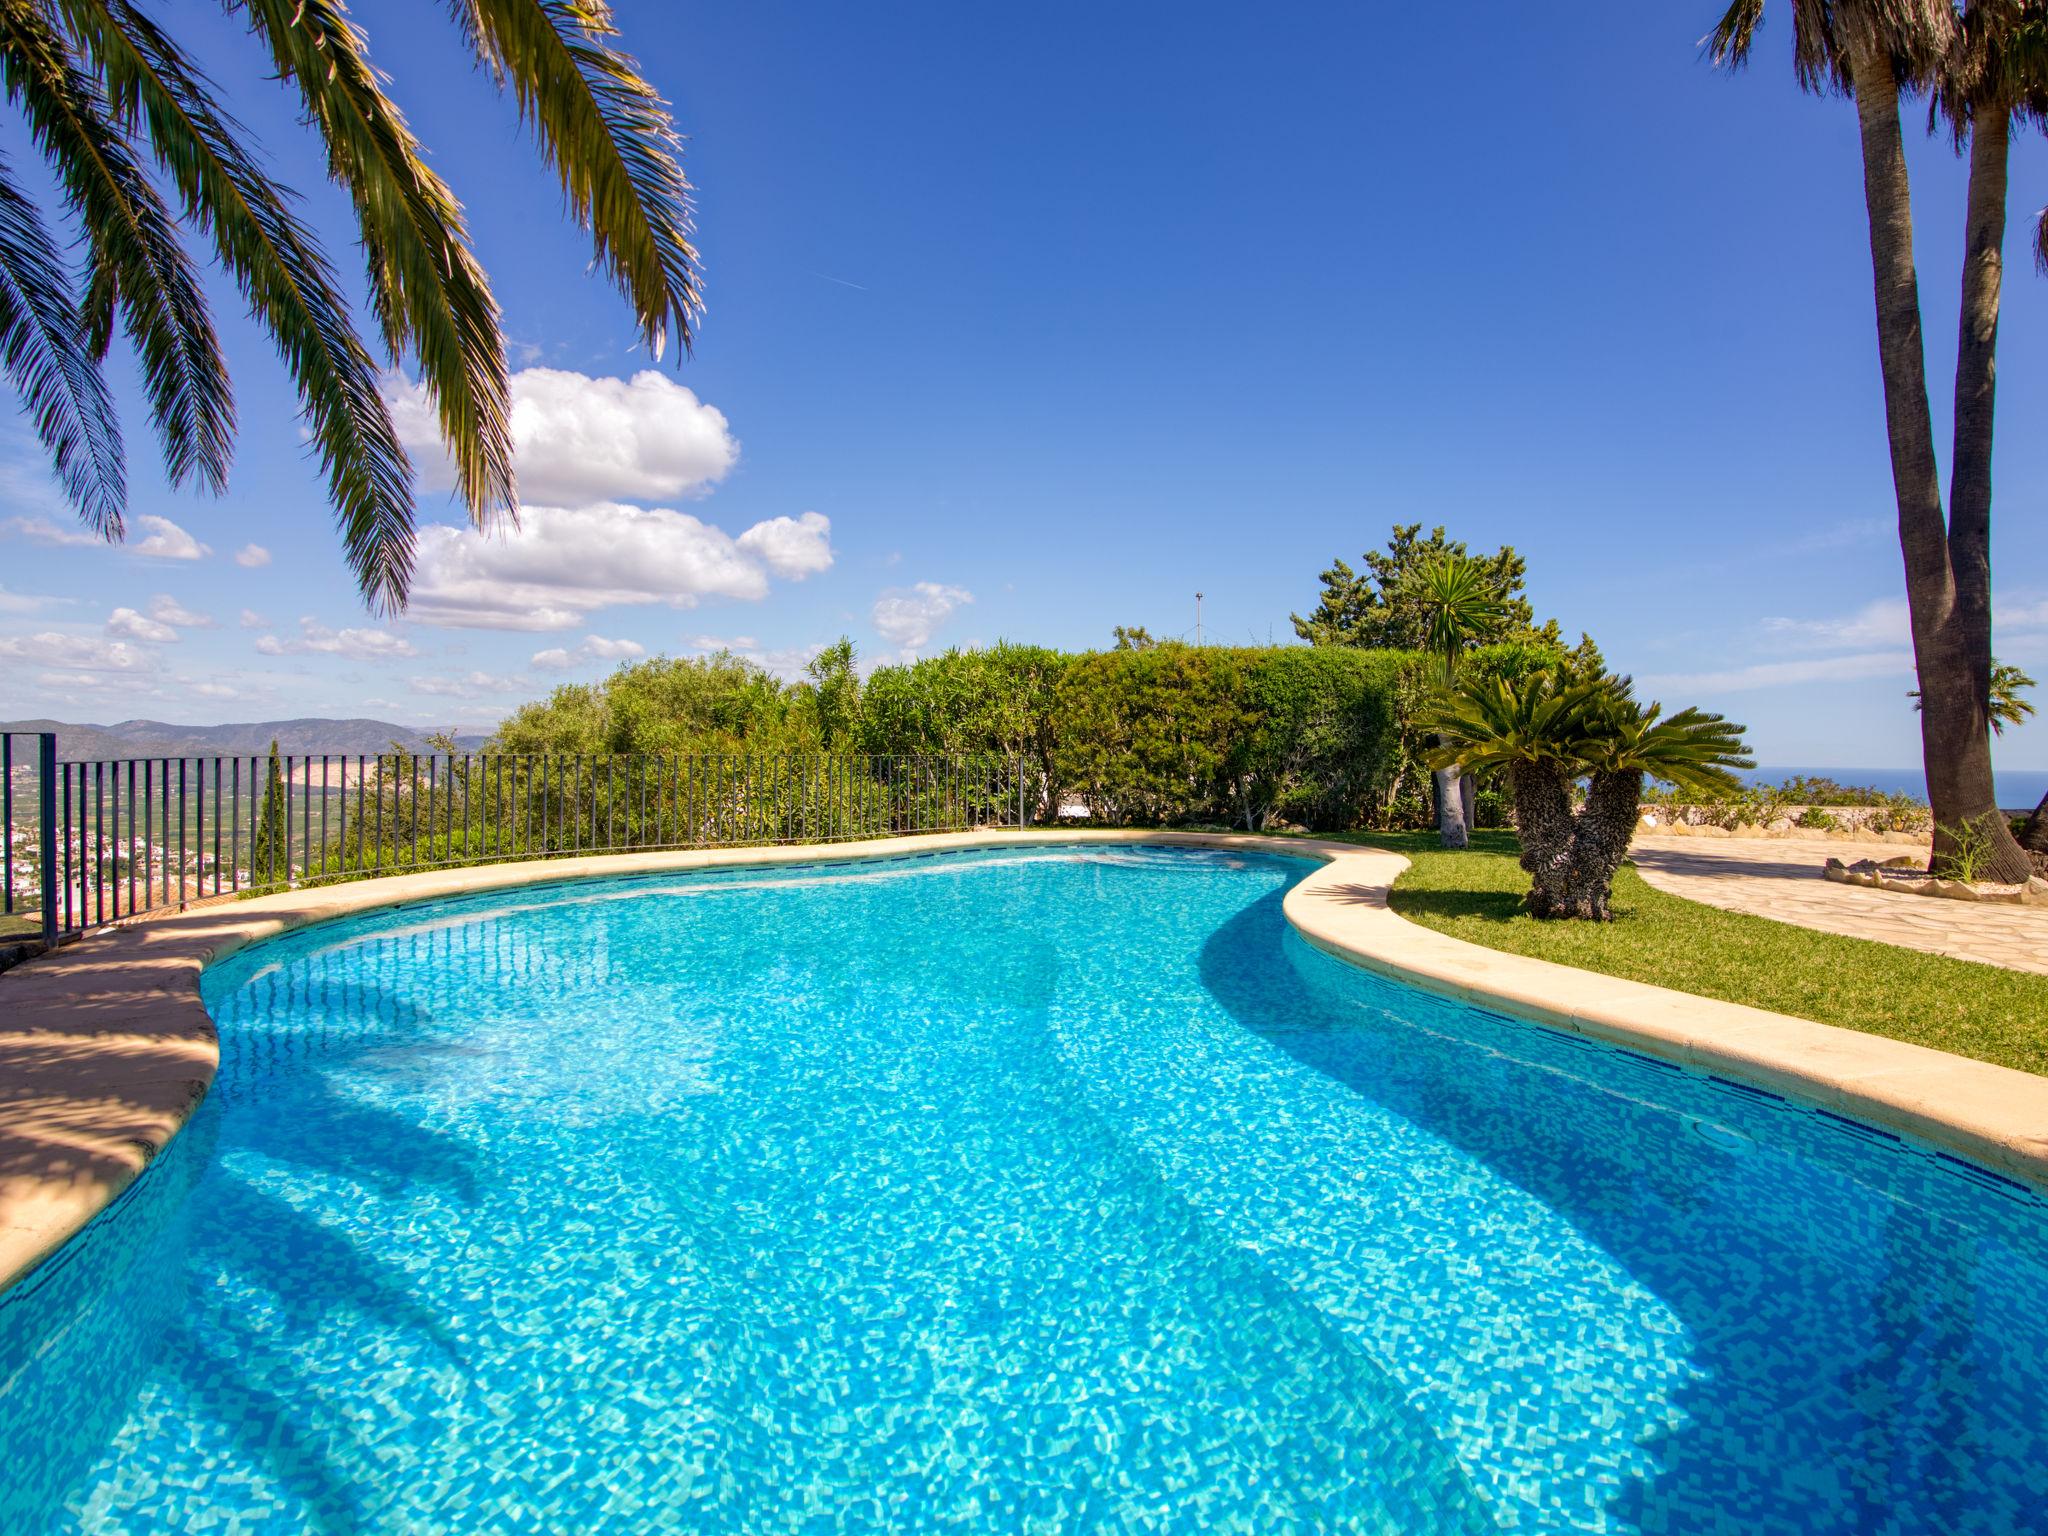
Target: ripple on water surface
x=1050, y=1192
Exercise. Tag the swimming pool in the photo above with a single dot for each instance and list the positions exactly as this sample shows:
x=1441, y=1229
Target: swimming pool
x=1052, y=1191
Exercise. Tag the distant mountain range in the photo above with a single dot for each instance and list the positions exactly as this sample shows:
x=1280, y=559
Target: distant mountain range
x=156, y=738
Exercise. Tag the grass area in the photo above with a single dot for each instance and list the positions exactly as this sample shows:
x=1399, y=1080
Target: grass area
x=1951, y=1005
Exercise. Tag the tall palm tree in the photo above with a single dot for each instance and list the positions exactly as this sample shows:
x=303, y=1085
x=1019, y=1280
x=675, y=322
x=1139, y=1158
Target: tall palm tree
x=1982, y=65
x=106, y=93
x=1460, y=607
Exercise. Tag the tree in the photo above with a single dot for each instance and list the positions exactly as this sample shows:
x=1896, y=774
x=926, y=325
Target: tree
x=1457, y=600
x=1380, y=607
x=270, y=840
x=1982, y=68
x=1134, y=637
x=835, y=693
x=1548, y=729
x=105, y=94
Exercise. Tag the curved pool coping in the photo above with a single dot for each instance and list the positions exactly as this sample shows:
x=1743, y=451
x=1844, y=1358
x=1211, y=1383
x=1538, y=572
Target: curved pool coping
x=106, y=1049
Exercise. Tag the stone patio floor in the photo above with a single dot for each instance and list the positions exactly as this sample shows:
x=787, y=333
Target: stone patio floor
x=1781, y=878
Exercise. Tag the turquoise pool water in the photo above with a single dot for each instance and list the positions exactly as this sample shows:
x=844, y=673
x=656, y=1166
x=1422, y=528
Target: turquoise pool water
x=1050, y=1192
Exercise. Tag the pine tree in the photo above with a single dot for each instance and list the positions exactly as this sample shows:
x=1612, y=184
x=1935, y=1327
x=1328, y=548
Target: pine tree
x=269, y=847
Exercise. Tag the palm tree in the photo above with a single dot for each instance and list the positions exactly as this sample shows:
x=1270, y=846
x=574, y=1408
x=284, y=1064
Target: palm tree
x=1982, y=65
x=1460, y=607
x=1547, y=729
x=108, y=96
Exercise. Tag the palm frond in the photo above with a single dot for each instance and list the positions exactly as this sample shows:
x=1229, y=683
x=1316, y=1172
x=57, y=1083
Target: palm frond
x=282, y=273
x=1691, y=749
x=1728, y=45
x=46, y=353
x=429, y=292
x=137, y=264
x=610, y=139
x=1460, y=604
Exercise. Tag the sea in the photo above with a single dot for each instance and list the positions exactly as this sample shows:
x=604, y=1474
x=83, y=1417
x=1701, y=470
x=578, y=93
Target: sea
x=2019, y=789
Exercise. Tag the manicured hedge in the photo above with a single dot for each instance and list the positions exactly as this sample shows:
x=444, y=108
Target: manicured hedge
x=1159, y=735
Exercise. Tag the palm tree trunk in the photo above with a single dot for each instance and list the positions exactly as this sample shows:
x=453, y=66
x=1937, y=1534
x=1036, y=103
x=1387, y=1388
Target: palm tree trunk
x=1954, y=723
x=1964, y=723
x=1450, y=809
x=1600, y=842
x=1543, y=823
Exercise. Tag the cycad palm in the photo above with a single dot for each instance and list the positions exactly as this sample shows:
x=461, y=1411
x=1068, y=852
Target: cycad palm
x=105, y=92
x=1547, y=729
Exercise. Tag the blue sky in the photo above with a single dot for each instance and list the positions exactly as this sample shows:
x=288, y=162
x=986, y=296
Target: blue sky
x=1029, y=324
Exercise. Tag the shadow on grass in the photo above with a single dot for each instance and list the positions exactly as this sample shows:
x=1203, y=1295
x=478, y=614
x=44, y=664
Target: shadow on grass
x=1480, y=906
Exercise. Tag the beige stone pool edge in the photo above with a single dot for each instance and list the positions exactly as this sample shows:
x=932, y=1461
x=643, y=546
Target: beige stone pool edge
x=105, y=1049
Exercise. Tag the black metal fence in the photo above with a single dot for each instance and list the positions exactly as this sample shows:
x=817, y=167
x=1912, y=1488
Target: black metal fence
x=96, y=841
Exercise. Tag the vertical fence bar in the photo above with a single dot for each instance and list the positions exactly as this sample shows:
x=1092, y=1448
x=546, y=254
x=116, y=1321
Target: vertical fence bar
x=7, y=815
x=46, y=831
x=234, y=815
x=181, y=831
x=72, y=864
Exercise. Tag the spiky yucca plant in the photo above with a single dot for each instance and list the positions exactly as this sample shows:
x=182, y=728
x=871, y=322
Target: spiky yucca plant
x=1461, y=607
x=107, y=94
x=1548, y=730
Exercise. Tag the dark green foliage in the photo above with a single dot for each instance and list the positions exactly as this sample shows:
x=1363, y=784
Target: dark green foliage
x=270, y=841
x=1172, y=733
x=718, y=703
x=1382, y=607
x=1155, y=734
x=1002, y=701
x=1319, y=748
x=1146, y=736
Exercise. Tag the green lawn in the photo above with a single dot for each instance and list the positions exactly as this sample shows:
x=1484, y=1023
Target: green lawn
x=1952, y=1005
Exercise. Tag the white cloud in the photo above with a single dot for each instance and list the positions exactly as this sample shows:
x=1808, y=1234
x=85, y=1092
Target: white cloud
x=579, y=439
x=2020, y=617
x=166, y=609
x=252, y=557
x=561, y=563
x=76, y=653
x=791, y=547
x=43, y=531
x=593, y=648
x=127, y=624
x=909, y=616
x=786, y=662
x=210, y=688
x=167, y=541
x=357, y=644
x=1780, y=674
x=251, y=619
x=470, y=686
x=1882, y=622
x=28, y=602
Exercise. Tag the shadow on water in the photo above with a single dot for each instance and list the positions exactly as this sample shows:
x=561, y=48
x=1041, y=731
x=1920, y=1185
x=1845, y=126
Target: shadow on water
x=1868, y=1360
x=172, y=1298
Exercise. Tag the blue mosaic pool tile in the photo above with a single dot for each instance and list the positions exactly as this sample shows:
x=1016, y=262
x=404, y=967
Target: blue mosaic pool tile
x=1010, y=1193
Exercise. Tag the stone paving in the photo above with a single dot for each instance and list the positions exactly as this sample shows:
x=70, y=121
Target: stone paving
x=1781, y=878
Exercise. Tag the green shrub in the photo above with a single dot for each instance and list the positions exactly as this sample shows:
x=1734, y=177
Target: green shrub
x=1817, y=820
